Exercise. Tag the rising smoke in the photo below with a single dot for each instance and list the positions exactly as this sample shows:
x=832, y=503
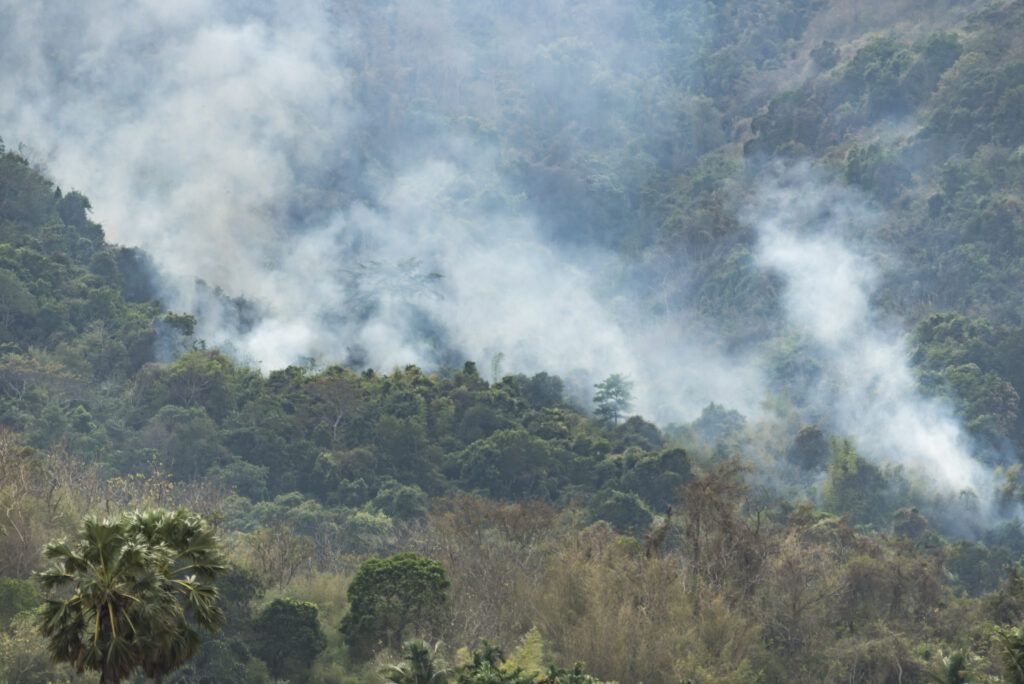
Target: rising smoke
x=812, y=234
x=338, y=168
x=346, y=171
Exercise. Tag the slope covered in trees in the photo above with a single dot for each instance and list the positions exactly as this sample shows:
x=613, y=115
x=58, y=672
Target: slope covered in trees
x=790, y=553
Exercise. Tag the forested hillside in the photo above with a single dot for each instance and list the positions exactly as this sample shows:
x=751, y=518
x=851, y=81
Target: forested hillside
x=553, y=342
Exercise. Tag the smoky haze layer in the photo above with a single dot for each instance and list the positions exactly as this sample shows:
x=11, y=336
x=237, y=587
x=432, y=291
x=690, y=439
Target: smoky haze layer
x=809, y=235
x=382, y=184
x=346, y=170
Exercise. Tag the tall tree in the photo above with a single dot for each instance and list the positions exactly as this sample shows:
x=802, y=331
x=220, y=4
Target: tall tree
x=391, y=597
x=140, y=588
x=614, y=398
x=288, y=638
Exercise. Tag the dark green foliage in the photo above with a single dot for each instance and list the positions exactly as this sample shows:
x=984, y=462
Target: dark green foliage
x=203, y=379
x=909, y=523
x=184, y=323
x=810, y=449
x=186, y=438
x=976, y=568
x=949, y=339
x=826, y=55
x=239, y=587
x=245, y=478
x=487, y=665
x=717, y=423
x=391, y=599
x=17, y=304
x=1011, y=653
x=789, y=126
x=486, y=668
x=1006, y=606
x=877, y=171
x=422, y=666
x=402, y=502
x=625, y=511
x=976, y=103
x=140, y=590
x=27, y=196
x=62, y=288
x=855, y=486
x=222, y=661
x=956, y=671
x=542, y=390
x=574, y=675
x=657, y=479
x=960, y=358
x=1009, y=535
x=479, y=422
x=637, y=432
x=17, y=595
x=875, y=69
x=989, y=404
x=508, y=464
x=288, y=637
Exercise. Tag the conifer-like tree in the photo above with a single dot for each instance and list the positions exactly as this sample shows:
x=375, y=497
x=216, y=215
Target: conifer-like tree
x=613, y=399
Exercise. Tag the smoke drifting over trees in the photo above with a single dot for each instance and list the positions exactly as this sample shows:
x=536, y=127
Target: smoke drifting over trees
x=396, y=275
x=420, y=183
x=827, y=294
x=384, y=187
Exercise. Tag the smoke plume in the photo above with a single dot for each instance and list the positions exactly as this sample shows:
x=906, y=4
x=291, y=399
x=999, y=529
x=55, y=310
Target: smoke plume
x=812, y=234
x=338, y=168
x=351, y=174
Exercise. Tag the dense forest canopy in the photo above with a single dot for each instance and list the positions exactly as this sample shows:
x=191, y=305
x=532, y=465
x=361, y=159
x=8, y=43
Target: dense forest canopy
x=679, y=339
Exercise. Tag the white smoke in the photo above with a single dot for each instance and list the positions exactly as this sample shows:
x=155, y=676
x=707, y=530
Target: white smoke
x=255, y=146
x=810, y=234
x=230, y=141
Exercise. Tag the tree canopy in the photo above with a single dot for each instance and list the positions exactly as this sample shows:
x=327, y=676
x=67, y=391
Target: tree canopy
x=391, y=597
x=140, y=589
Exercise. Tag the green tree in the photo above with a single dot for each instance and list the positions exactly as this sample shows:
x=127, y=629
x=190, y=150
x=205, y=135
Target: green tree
x=23, y=654
x=614, y=398
x=422, y=666
x=1011, y=653
x=288, y=638
x=201, y=378
x=403, y=502
x=16, y=595
x=717, y=423
x=140, y=588
x=810, y=448
x=508, y=464
x=625, y=511
x=486, y=668
x=15, y=300
x=225, y=660
x=855, y=486
x=391, y=598
x=558, y=675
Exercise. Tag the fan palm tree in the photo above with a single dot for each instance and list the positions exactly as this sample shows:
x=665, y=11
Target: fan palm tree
x=421, y=666
x=134, y=587
x=486, y=668
x=193, y=562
